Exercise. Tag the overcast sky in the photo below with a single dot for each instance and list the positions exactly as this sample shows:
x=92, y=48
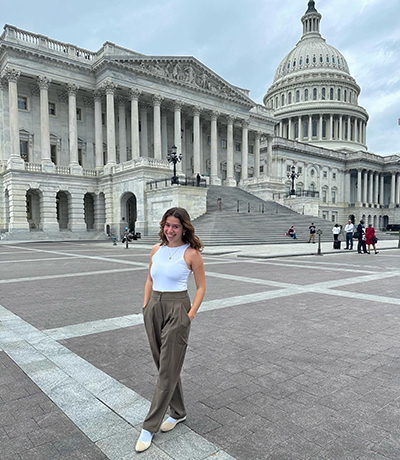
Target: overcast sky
x=242, y=41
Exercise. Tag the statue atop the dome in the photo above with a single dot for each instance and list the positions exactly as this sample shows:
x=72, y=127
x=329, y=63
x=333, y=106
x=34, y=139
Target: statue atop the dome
x=311, y=7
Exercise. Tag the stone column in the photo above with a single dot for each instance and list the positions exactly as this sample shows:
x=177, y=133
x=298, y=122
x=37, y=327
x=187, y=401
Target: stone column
x=376, y=186
x=134, y=94
x=290, y=128
x=74, y=165
x=48, y=210
x=370, y=198
x=393, y=190
x=320, y=128
x=347, y=186
x=76, y=211
x=381, y=197
x=177, y=130
x=398, y=189
x=164, y=133
x=269, y=155
x=110, y=88
x=309, y=127
x=215, y=180
x=359, y=187
x=280, y=129
x=44, y=83
x=99, y=212
x=365, y=188
x=340, y=128
x=157, y=125
x=331, y=127
x=122, y=129
x=14, y=161
x=257, y=141
x=230, y=181
x=98, y=129
x=196, y=140
x=245, y=150
x=355, y=130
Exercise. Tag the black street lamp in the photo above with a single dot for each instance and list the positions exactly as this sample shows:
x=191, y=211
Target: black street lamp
x=174, y=158
x=292, y=175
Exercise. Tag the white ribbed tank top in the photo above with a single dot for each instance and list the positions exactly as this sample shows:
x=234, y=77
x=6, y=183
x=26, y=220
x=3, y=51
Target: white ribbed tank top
x=169, y=271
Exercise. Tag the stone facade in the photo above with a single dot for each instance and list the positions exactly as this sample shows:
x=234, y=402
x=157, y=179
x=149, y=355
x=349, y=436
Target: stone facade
x=84, y=135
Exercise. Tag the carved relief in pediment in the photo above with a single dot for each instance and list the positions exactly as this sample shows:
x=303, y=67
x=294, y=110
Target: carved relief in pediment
x=189, y=73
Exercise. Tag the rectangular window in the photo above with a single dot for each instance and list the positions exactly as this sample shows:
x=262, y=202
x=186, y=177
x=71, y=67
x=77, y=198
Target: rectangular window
x=224, y=144
x=79, y=114
x=53, y=152
x=22, y=103
x=52, y=109
x=209, y=140
x=333, y=197
x=325, y=174
x=80, y=156
x=251, y=149
x=238, y=146
x=288, y=168
x=334, y=176
x=299, y=169
x=24, y=150
x=323, y=196
x=103, y=121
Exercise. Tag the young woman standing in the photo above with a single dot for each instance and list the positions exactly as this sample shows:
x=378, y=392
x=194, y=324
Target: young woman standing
x=168, y=313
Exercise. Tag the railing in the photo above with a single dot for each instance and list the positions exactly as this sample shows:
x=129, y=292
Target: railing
x=35, y=167
x=167, y=182
x=63, y=170
x=307, y=193
x=90, y=172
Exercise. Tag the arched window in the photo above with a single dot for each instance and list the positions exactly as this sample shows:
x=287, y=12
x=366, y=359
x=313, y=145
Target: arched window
x=314, y=59
x=338, y=94
x=294, y=63
x=320, y=58
x=323, y=94
x=289, y=98
x=301, y=61
x=346, y=130
x=314, y=93
x=331, y=94
x=276, y=102
x=345, y=95
x=306, y=94
x=283, y=100
x=314, y=128
x=297, y=96
x=305, y=128
x=296, y=130
x=324, y=128
x=307, y=60
x=333, y=59
x=327, y=58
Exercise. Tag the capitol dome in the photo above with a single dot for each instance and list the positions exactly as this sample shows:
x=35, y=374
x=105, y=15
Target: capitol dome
x=313, y=94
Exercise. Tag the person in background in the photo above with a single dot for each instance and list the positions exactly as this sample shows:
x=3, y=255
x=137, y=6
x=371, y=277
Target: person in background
x=292, y=232
x=312, y=229
x=349, y=229
x=336, y=232
x=371, y=238
x=361, y=246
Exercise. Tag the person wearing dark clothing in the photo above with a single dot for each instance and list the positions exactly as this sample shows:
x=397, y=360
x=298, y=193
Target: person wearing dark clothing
x=361, y=246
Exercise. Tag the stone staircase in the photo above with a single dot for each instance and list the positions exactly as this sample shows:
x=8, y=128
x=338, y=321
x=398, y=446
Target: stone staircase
x=245, y=219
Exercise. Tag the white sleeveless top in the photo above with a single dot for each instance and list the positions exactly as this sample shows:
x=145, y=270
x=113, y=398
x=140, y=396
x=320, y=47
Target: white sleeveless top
x=169, y=271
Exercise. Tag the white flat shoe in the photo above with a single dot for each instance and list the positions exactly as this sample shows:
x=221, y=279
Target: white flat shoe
x=168, y=426
x=141, y=446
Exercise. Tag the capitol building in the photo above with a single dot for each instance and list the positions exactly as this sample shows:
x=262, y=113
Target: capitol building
x=86, y=137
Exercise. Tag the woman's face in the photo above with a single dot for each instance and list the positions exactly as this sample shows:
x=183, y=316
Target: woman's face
x=173, y=231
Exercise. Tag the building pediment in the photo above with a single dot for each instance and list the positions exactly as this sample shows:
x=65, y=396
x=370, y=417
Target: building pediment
x=185, y=71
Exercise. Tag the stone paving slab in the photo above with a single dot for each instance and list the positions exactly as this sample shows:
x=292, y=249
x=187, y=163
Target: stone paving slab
x=277, y=368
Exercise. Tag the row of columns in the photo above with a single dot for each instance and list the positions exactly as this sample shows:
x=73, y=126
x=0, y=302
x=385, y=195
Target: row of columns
x=335, y=128
x=139, y=141
x=370, y=188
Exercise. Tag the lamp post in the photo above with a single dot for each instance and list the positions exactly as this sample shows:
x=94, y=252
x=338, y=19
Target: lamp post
x=292, y=175
x=174, y=158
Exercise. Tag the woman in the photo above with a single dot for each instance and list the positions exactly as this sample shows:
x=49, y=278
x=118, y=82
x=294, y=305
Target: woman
x=168, y=314
x=371, y=238
x=361, y=246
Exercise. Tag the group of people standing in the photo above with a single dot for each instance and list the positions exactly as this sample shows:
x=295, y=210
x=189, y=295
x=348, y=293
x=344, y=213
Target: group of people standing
x=365, y=236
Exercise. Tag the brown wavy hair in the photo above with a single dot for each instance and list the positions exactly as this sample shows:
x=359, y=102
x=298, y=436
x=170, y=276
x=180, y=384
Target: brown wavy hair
x=189, y=236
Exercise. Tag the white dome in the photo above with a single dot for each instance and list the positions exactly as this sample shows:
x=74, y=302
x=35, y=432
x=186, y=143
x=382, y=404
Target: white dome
x=311, y=53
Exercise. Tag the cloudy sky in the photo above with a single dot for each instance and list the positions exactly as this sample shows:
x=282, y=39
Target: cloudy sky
x=241, y=40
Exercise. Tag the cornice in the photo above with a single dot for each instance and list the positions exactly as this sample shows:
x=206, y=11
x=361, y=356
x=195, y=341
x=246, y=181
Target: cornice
x=319, y=108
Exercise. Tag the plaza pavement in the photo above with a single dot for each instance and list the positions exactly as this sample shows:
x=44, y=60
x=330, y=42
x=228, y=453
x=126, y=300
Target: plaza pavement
x=291, y=356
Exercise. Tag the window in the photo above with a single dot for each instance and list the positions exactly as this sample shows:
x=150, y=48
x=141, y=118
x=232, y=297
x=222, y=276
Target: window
x=251, y=149
x=283, y=99
x=238, y=146
x=296, y=130
x=306, y=94
x=288, y=168
x=297, y=96
x=24, y=150
x=224, y=144
x=290, y=98
x=209, y=140
x=22, y=103
x=327, y=58
x=276, y=102
x=299, y=169
x=314, y=93
x=53, y=152
x=324, y=196
x=323, y=94
x=307, y=60
x=334, y=176
x=314, y=59
x=80, y=156
x=325, y=174
x=52, y=108
x=305, y=129
x=320, y=58
x=301, y=61
x=345, y=95
x=338, y=94
x=331, y=94
x=314, y=128
x=79, y=114
x=103, y=121
x=333, y=197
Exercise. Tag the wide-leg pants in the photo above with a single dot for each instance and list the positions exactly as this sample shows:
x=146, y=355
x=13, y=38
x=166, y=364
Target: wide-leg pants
x=167, y=325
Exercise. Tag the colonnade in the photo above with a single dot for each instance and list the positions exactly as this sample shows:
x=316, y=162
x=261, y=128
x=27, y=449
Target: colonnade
x=372, y=188
x=323, y=127
x=140, y=103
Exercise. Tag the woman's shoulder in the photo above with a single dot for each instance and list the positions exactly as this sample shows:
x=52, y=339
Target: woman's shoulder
x=155, y=248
